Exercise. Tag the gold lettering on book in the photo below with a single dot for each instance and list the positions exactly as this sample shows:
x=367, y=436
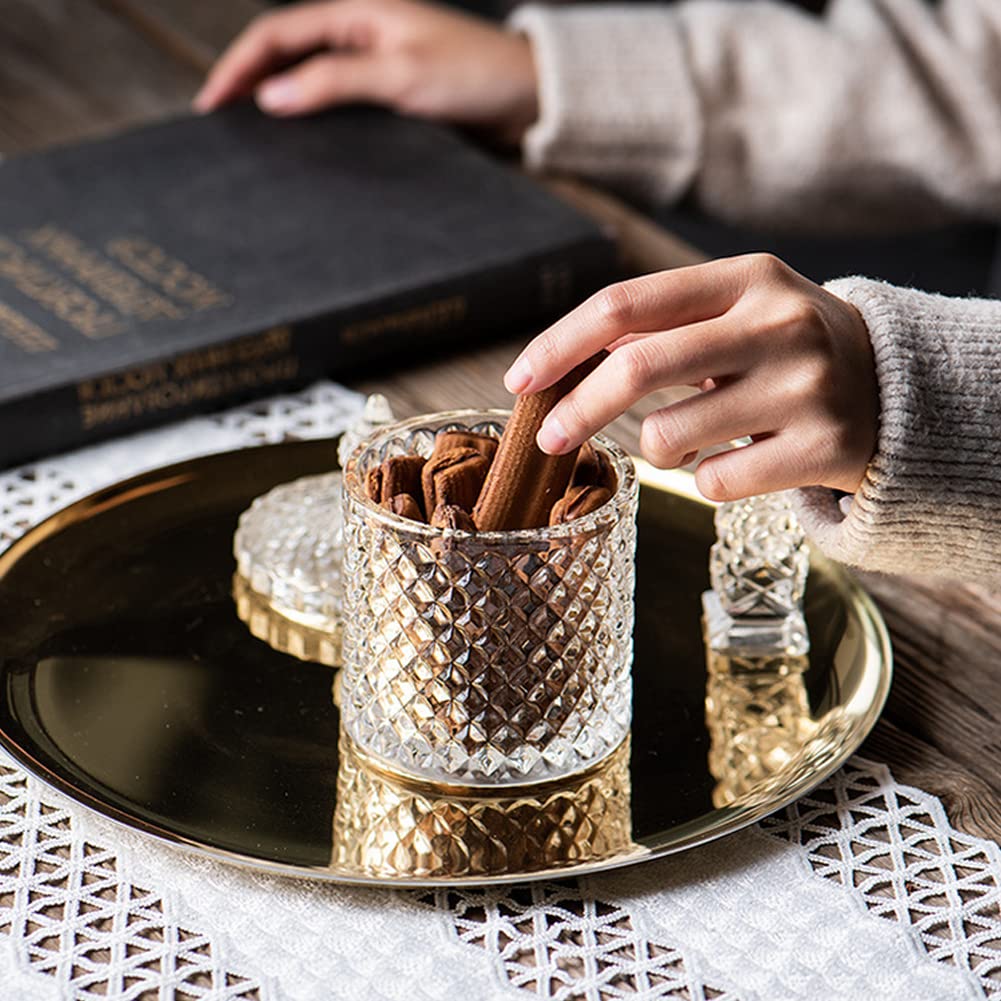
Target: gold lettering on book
x=198, y=377
x=54, y=293
x=133, y=380
x=167, y=273
x=123, y=290
x=434, y=315
x=19, y=330
x=277, y=341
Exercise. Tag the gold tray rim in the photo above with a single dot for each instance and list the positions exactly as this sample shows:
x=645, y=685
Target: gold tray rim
x=677, y=839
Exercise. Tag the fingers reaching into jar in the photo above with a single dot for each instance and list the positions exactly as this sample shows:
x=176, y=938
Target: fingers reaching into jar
x=780, y=360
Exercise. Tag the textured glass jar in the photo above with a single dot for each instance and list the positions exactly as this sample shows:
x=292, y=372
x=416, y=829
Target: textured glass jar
x=492, y=657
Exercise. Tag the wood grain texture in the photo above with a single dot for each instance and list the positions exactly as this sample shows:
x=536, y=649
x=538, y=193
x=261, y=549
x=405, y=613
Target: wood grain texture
x=643, y=245
x=947, y=660
x=192, y=31
x=70, y=70
x=971, y=803
x=76, y=68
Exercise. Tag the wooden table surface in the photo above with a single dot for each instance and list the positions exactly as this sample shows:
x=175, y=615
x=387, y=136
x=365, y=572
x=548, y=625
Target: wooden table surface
x=76, y=68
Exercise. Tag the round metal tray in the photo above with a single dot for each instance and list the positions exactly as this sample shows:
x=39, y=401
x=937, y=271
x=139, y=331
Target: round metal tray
x=129, y=682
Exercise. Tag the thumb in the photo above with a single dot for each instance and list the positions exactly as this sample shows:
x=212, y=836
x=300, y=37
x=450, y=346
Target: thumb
x=322, y=81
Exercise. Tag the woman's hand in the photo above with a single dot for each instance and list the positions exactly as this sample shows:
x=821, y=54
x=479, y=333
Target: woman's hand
x=779, y=360
x=418, y=59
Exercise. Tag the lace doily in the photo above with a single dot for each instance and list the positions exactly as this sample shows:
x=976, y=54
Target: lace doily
x=33, y=492
x=861, y=890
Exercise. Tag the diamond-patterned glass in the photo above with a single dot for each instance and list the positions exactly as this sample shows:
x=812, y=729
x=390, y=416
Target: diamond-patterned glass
x=288, y=586
x=762, y=732
x=386, y=825
x=759, y=563
x=492, y=657
x=758, y=568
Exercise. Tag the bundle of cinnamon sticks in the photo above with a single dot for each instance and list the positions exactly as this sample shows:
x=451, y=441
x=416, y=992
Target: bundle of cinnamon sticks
x=474, y=482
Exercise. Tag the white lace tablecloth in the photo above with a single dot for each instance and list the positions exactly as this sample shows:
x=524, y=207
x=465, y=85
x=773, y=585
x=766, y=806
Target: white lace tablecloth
x=861, y=890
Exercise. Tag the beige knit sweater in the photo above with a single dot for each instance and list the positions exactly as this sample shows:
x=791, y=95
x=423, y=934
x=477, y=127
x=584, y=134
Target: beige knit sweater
x=884, y=113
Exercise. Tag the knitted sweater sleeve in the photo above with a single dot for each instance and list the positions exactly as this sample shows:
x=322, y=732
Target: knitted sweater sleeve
x=931, y=498
x=882, y=113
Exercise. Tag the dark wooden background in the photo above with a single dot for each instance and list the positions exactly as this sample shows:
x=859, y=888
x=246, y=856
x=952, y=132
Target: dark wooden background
x=76, y=68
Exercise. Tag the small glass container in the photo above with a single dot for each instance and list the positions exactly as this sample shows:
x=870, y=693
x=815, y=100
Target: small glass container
x=758, y=568
x=486, y=658
x=287, y=586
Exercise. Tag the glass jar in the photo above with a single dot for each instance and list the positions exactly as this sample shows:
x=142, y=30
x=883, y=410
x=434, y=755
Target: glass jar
x=486, y=658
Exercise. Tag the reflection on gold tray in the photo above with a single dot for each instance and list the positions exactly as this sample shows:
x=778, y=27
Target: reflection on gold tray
x=130, y=683
x=282, y=629
x=389, y=826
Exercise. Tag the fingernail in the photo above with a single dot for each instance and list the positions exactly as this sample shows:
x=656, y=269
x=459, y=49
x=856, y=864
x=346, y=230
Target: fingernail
x=552, y=437
x=518, y=377
x=200, y=102
x=277, y=95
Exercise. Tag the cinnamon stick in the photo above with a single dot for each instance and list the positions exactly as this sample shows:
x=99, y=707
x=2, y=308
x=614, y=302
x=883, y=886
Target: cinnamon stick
x=454, y=476
x=405, y=506
x=373, y=484
x=483, y=443
x=593, y=469
x=578, y=501
x=452, y=516
x=523, y=482
x=399, y=474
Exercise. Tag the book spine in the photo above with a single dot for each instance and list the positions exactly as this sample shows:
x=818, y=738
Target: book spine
x=508, y=301
x=514, y=300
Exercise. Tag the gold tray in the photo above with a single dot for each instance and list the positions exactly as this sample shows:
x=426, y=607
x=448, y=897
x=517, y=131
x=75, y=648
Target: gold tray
x=129, y=682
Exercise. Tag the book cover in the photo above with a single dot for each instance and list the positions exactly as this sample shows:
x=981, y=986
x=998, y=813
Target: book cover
x=189, y=264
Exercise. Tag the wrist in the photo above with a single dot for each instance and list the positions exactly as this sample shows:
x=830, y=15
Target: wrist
x=520, y=70
x=602, y=75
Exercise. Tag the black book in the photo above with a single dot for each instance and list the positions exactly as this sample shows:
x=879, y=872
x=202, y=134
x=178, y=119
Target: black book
x=191, y=264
